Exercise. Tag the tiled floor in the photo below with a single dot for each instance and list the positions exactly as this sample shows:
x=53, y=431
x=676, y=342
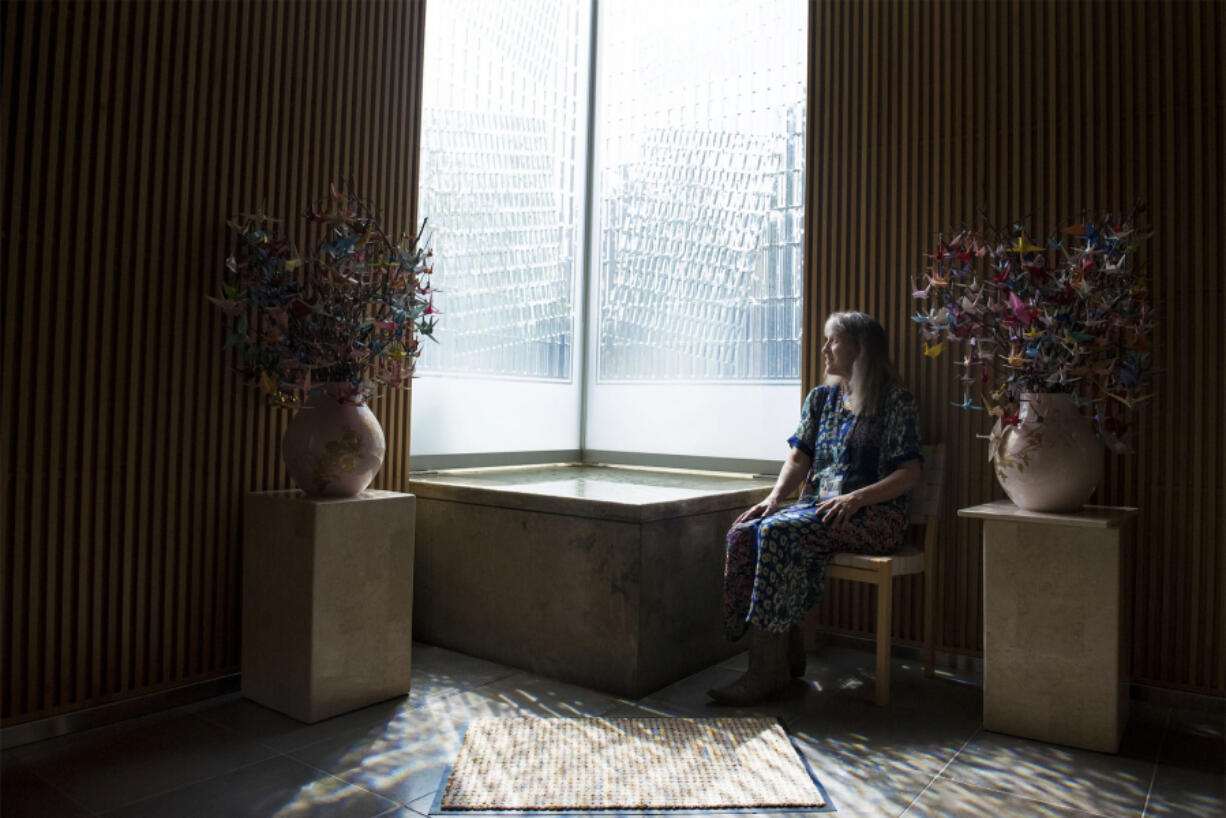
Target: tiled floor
x=926, y=754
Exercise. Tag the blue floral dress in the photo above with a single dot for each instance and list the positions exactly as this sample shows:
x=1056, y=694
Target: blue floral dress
x=775, y=566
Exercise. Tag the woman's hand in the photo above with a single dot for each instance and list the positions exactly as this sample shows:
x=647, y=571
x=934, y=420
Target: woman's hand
x=763, y=509
x=838, y=510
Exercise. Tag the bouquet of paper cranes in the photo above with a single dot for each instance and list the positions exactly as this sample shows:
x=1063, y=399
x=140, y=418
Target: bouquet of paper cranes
x=1072, y=315
x=348, y=315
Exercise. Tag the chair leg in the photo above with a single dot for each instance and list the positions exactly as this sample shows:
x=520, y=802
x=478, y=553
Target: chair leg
x=930, y=607
x=930, y=640
x=885, y=598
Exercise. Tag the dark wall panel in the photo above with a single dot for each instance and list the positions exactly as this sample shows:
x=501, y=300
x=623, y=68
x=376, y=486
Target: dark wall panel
x=132, y=131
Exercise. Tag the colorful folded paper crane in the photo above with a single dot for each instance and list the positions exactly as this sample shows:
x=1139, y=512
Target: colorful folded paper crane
x=1072, y=315
x=349, y=314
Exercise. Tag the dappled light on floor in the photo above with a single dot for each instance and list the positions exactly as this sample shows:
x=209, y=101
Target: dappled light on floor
x=924, y=754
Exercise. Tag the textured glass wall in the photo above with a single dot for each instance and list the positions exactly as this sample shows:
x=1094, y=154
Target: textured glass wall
x=501, y=156
x=701, y=170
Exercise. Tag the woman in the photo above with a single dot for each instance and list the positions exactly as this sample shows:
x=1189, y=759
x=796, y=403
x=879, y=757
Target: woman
x=855, y=456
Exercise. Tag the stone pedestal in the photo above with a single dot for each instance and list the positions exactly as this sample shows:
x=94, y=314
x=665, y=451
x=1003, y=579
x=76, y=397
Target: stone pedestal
x=1054, y=649
x=327, y=601
x=606, y=577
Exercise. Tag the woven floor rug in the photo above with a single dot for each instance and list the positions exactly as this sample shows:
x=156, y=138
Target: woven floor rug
x=627, y=764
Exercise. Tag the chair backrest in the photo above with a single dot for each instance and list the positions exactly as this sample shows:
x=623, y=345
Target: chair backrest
x=925, y=499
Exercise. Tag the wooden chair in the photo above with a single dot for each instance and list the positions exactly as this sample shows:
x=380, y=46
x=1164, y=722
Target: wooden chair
x=925, y=506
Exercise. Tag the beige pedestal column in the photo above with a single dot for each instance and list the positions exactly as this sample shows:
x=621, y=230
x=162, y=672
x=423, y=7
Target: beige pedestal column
x=327, y=601
x=1054, y=645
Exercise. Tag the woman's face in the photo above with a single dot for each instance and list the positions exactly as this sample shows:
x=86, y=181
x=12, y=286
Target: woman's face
x=838, y=355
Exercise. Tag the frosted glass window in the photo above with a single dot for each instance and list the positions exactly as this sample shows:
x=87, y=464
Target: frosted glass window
x=693, y=293
x=700, y=151
x=503, y=172
x=698, y=172
x=502, y=149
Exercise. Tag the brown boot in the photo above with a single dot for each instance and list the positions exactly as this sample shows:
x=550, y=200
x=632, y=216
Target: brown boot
x=796, y=651
x=767, y=674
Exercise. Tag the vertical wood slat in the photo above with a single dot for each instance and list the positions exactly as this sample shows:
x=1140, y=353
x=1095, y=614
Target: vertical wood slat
x=12, y=565
x=1163, y=41
x=132, y=132
x=85, y=289
x=1216, y=167
x=1195, y=329
x=1068, y=106
x=64, y=121
x=186, y=120
x=42, y=554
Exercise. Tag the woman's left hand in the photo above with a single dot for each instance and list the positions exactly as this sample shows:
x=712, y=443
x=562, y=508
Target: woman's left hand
x=838, y=510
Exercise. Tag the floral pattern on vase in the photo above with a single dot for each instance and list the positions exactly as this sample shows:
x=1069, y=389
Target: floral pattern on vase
x=1051, y=460
x=333, y=448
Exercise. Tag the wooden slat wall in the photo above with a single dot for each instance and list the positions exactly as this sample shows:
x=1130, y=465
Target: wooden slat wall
x=132, y=130
x=921, y=112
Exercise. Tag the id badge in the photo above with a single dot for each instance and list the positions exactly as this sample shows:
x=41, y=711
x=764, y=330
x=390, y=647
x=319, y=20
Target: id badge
x=831, y=485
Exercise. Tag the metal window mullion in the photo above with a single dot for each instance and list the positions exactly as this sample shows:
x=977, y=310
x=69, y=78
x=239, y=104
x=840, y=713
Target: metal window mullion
x=583, y=360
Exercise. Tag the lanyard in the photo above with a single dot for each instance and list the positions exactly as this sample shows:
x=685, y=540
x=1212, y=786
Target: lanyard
x=839, y=447
x=831, y=485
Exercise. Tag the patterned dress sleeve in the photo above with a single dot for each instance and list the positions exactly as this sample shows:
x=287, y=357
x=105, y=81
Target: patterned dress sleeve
x=902, y=441
x=805, y=436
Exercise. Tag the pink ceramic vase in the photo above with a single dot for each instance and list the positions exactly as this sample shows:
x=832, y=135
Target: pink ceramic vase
x=332, y=448
x=1052, y=460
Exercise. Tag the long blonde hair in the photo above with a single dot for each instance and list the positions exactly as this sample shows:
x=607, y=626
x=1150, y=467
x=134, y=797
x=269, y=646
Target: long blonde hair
x=871, y=371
